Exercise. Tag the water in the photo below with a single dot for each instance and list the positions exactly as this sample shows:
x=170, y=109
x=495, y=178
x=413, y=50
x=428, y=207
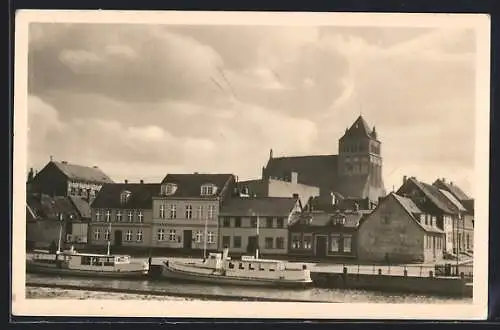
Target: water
x=312, y=294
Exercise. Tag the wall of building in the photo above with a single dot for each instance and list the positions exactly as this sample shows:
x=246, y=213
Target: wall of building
x=390, y=231
x=51, y=181
x=264, y=235
x=78, y=234
x=174, y=229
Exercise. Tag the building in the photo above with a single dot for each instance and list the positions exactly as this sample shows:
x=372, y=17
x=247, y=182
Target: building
x=275, y=187
x=355, y=173
x=50, y=218
x=397, y=231
x=466, y=222
x=320, y=234
x=65, y=179
x=431, y=200
x=122, y=214
x=249, y=222
x=186, y=209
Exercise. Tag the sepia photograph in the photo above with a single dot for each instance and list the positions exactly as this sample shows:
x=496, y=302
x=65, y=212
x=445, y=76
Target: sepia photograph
x=251, y=165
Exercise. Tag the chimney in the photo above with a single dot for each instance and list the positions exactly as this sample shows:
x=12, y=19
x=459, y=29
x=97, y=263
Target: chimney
x=141, y=181
x=95, y=166
x=271, y=154
x=451, y=183
x=195, y=172
x=126, y=181
x=444, y=180
x=294, y=177
x=296, y=196
x=64, y=162
x=404, y=179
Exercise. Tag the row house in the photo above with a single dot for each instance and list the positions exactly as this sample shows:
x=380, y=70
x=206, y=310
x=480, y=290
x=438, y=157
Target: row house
x=50, y=219
x=321, y=234
x=122, y=214
x=431, y=200
x=397, y=231
x=65, y=179
x=248, y=223
x=186, y=210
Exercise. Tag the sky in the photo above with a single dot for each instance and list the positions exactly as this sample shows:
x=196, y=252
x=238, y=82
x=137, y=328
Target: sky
x=141, y=101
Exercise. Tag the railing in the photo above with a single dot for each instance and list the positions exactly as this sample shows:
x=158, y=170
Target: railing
x=446, y=270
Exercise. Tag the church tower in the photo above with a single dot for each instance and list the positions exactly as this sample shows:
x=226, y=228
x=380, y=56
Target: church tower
x=360, y=163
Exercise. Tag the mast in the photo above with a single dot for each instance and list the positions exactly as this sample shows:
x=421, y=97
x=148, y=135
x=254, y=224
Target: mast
x=205, y=238
x=257, y=249
x=109, y=238
x=60, y=233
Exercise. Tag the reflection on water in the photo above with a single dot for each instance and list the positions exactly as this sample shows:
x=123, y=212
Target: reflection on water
x=313, y=294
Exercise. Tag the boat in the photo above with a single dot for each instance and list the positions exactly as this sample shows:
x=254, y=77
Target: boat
x=218, y=268
x=72, y=263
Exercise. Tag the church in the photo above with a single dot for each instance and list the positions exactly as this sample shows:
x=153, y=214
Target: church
x=354, y=175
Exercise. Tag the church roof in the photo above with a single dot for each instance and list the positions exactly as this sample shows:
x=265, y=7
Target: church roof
x=317, y=170
x=82, y=173
x=360, y=128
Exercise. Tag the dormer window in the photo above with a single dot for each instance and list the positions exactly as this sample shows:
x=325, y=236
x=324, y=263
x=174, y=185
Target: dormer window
x=125, y=196
x=168, y=189
x=208, y=189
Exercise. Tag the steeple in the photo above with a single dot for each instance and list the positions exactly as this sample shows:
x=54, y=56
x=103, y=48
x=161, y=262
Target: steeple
x=271, y=154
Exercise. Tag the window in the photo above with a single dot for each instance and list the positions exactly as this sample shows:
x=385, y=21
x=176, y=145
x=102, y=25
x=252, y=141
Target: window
x=208, y=189
x=168, y=189
x=269, y=222
x=139, y=236
x=307, y=241
x=386, y=219
x=253, y=222
x=107, y=235
x=296, y=241
x=226, y=222
x=128, y=236
x=280, y=223
x=211, y=237
x=130, y=216
x=97, y=215
x=347, y=244
x=73, y=191
x=237, y=222
x=125, y=196
x=118, y=216
x=173, y=212
x=237, y=241
x=211, y=211
x=108, y=216
x=467, y=239
x=172, y=236
x=268, y=242
x=162, y=211
x=226, y=241
x=161, y=234
x=280, y=242
x=189, y=211
x=199, y=212
x=97, y=234
x=140, y=216
x=335, y=243
x=198, y=236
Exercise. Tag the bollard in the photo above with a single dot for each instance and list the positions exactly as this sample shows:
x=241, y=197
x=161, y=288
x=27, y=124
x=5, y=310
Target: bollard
x=344, y=274
x=405, y=273
x=431, y=274
x=380, y=271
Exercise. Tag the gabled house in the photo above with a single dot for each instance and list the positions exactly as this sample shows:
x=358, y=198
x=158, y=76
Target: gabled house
x=246, y=223
x=321, y=234
x=186, y=210
x=398, y=231
x=122, y=214
x=65, y=179
x=430, y=200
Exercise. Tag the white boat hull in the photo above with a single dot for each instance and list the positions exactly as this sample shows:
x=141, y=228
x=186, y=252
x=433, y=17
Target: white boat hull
x=175, y=274
x=53, y=269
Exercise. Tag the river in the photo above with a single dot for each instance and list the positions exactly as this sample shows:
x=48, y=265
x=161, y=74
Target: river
x=312, y=294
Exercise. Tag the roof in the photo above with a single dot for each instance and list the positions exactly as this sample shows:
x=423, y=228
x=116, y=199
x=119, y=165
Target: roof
x=434, y=195
x=49, y=207
x=453, y=188
x=141, y=195
x=452, y=199
x=82, y=206
x=189, y=185
x=82, y=173
x=412, y=209
x=264, y=206
x=321, y=219
x=317, y=170
x=360, y=128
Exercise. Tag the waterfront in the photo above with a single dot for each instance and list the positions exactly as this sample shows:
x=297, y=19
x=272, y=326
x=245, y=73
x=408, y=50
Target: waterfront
x=312, y=294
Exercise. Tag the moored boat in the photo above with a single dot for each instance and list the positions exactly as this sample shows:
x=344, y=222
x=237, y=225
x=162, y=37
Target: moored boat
x=218, y=268
x=72, y=263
